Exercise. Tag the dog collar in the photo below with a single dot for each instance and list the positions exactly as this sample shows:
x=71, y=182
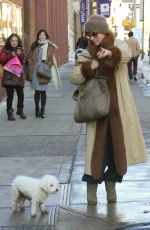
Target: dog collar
x=44, y=191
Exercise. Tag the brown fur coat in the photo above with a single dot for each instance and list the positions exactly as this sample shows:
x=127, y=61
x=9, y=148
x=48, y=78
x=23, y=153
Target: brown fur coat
x=106, y=68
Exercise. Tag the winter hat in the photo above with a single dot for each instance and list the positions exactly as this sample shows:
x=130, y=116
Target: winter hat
x=96, y=24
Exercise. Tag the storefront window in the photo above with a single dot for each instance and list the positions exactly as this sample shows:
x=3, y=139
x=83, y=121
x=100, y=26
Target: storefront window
x=10, y=20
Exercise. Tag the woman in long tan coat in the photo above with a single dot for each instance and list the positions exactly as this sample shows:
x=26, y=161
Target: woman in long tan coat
x=109, y=142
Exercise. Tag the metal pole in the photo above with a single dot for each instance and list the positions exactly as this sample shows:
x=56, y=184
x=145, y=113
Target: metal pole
x=149, y=49
x=90, y=7
x=142, y=56
x=135, y=13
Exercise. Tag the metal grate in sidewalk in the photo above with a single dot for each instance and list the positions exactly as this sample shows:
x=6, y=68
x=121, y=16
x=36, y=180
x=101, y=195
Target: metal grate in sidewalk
x=142, y=226
x=28, y=227
x=53, y=218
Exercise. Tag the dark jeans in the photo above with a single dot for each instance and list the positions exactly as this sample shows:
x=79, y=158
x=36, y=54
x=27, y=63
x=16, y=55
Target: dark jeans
x=109, y=171
x=132, y=67
x=10, y=96
x=40, y=95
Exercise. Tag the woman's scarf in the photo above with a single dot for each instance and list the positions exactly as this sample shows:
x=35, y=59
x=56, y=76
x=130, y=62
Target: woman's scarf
x=45, y=48
x=10, y=49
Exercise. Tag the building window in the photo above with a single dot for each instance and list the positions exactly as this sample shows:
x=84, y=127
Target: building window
x=10, y=20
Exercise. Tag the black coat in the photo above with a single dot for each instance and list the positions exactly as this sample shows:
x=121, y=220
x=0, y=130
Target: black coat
x=82, y=43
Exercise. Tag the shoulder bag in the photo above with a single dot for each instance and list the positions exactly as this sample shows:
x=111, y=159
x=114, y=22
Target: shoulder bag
x=43, y=80
x=94, y=101
x=44, y=71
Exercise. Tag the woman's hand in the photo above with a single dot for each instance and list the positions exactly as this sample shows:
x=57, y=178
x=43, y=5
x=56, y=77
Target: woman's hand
x=104, y=53
x=94, y=64
x=19, y=51
x=56, y=47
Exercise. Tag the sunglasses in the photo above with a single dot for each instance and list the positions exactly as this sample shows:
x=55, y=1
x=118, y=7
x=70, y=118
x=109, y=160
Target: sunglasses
x=89, y=35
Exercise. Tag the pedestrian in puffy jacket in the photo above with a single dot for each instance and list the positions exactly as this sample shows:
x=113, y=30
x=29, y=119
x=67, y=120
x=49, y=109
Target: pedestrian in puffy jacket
x=13, y=47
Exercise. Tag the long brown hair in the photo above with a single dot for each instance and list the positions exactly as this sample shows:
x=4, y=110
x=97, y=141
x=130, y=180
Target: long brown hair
x=35, y=43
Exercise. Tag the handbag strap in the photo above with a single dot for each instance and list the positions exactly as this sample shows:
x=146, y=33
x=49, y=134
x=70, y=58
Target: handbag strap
x=98, y=76
x=101, y=77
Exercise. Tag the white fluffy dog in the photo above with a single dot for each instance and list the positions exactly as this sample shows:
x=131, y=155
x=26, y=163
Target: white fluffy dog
x=34, y=190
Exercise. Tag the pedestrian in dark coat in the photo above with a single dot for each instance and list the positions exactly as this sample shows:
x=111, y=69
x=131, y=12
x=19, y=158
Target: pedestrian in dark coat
x=13, y=47
x=81, y=44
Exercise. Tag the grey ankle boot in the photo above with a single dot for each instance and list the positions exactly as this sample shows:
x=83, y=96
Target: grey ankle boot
x=10, y=115
x=91, y=193
x=21, y=113
x=111, y=192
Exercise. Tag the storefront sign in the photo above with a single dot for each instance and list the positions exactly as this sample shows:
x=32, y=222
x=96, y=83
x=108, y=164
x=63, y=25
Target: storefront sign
x=83, y=12
x=104, y=7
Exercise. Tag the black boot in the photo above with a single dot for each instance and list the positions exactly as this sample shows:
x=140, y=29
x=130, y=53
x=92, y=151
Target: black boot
x=42, y=113
x=21, y=113
x=37, y=111
x=10, y=115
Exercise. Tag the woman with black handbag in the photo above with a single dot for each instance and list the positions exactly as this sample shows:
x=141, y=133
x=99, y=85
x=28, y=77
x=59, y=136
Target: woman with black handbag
x=40, y=59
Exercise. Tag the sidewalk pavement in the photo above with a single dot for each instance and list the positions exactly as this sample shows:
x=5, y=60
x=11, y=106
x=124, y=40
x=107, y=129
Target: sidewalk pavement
x=144, y=68
x=56, y=145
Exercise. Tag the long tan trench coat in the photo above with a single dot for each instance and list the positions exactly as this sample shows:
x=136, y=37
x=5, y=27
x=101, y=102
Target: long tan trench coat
x=134, y=142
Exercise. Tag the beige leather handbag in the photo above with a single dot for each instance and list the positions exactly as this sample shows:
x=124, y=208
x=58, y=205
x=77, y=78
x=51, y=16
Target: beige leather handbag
x=94, y=101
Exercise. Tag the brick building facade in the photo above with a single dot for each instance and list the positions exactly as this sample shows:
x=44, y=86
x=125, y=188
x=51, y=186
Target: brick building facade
x=51, y=15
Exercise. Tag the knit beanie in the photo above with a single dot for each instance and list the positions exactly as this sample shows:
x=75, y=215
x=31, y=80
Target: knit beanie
x=96, y=24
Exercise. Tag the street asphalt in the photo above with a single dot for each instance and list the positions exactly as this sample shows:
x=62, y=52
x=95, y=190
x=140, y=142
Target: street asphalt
x=56, y=145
